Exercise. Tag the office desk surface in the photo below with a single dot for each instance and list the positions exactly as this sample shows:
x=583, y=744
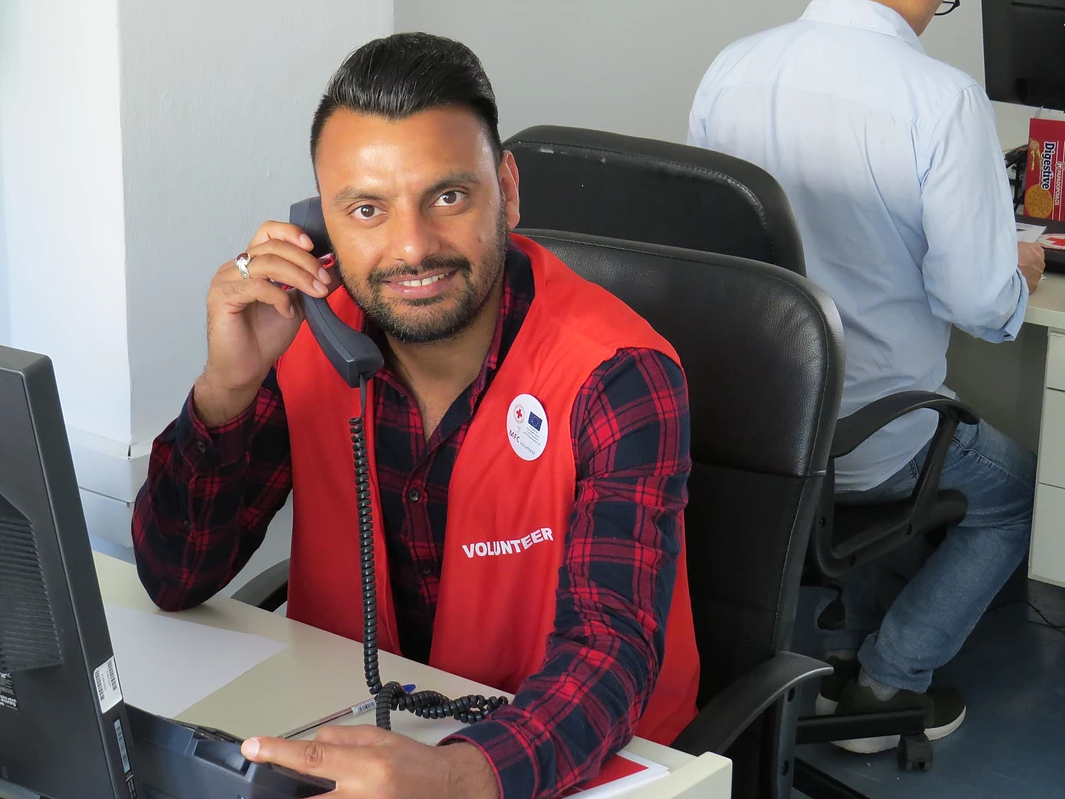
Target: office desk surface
x=318, y=673
x=1046, y=306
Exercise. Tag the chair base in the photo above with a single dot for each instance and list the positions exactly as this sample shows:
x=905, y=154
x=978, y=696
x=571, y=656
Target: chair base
x=914, y=754
x=823, y=729
x=914, y=750
x=816, y=784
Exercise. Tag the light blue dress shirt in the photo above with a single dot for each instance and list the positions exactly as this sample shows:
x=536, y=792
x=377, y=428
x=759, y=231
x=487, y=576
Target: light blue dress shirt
x=893, y=166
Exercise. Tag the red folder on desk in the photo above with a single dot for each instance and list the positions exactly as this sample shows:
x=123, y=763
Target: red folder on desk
x=1053, y=241
x=622, y=773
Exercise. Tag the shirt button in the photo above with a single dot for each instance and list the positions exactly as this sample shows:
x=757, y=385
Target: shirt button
x=186, y=524
x=201, y=446
x=414, y=495
x=428, y=571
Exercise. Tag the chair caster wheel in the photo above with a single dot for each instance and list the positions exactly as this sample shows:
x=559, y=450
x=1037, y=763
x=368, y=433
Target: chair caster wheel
x=915, y=753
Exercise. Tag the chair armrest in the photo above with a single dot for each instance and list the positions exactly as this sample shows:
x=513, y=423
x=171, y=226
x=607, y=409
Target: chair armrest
x=862, y=424
x=267, y=590
x=727, y=715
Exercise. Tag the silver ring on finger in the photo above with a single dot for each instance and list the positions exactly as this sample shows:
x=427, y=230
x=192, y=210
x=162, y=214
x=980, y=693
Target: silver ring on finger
x=242, y=262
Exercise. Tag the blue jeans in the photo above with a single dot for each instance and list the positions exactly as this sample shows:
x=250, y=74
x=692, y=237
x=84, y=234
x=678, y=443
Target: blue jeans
x=933, y=614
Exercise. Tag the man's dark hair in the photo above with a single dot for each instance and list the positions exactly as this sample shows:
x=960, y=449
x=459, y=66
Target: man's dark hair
x=400, y=75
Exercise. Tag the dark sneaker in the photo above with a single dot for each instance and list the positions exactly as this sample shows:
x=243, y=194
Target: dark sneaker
x=832, y=686
x=944, y=710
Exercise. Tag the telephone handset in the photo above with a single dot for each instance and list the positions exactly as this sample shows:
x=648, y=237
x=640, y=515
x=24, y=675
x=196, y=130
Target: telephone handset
x=356, y=358
x=353, y=354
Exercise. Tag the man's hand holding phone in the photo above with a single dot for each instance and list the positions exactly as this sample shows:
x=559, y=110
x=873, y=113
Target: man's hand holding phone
x=251, y=320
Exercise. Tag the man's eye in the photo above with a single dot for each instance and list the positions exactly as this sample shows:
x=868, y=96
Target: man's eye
x=450, y=197
x=366, y=211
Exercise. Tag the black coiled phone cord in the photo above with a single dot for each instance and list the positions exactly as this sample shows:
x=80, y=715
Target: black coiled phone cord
x=392, y=696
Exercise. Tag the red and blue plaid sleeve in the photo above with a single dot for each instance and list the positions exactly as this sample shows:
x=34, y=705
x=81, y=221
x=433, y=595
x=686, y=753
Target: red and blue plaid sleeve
x=208, y=499
x=631, y=436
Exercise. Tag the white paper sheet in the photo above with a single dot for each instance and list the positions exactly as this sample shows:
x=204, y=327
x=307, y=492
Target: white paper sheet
x=1029, y=233
x=167, y=665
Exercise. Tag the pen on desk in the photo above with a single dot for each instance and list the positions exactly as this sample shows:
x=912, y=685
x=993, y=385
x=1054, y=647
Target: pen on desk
x=354, y=710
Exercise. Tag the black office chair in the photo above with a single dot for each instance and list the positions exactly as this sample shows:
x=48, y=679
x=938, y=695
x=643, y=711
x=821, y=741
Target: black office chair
x=762, y=350
x=644, y=190
x=623, y=187
x=762, y=418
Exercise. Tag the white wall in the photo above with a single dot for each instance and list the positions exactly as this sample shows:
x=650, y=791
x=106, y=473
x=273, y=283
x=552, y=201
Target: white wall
x=633, y=67
x=5, y=298
x=63, y=206
x=620, y=65
x=8, y=32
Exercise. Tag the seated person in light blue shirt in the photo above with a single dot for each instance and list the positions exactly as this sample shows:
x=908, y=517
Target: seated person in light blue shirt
x=892, y=163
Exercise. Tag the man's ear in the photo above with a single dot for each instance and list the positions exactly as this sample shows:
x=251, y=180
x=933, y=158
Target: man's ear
x=508, y=185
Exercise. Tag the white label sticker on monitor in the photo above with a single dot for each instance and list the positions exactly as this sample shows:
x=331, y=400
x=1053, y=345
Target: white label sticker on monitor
x=7, y=692
x=108, y=691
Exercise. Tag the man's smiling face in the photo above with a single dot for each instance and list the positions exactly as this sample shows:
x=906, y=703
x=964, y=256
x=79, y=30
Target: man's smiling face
x=418, y=211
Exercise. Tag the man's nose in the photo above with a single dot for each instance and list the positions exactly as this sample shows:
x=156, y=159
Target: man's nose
x=414, y=237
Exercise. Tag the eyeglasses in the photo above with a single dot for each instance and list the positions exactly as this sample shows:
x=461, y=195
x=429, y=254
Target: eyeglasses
x=950, y=6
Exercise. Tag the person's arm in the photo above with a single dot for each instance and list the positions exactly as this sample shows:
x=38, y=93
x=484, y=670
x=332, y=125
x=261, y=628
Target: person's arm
x=632, y=435
x=209, y=497
x=971, y=267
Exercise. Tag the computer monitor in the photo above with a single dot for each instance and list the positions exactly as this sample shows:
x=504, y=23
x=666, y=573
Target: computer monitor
x=64, y=729
x=1023, y=45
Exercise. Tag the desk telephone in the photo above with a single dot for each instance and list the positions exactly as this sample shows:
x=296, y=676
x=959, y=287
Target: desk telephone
x=356, y=358
x=353, y=354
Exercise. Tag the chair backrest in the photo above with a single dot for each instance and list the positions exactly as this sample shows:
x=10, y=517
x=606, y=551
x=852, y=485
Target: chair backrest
x=763, y=352
x=606, y=184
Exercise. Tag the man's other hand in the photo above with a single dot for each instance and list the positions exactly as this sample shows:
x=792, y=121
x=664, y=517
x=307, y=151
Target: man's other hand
x=1031, y=260
x=369, y=763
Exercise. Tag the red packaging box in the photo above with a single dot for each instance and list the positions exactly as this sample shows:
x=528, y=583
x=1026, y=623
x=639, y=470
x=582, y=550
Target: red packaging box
x=1046, y=162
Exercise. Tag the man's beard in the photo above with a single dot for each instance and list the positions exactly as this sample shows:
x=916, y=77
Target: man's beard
x=442, y=324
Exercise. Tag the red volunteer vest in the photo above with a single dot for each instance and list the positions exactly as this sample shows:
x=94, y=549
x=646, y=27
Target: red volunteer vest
x=507, y=517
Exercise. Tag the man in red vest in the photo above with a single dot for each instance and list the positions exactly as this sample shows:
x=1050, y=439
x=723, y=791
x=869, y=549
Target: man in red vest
x=527, y=438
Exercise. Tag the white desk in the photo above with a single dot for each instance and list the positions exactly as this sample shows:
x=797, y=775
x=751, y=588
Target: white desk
x=1046, y=308
x=319, y=672
x=1020, y=388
